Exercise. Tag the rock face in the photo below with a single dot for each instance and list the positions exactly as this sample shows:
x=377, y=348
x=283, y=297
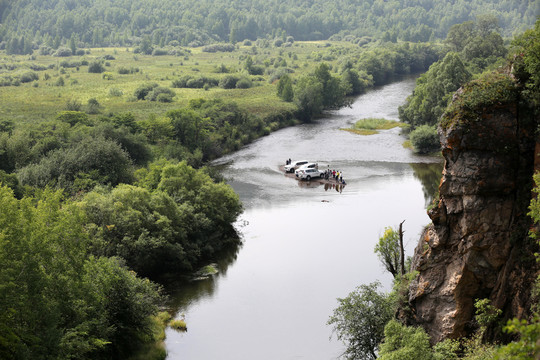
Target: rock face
x=477, y=246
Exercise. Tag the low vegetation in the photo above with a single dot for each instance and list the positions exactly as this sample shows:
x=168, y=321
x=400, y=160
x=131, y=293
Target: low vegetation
x=371, y=126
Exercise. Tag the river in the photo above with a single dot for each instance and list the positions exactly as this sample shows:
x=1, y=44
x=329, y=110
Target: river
x=305, y=245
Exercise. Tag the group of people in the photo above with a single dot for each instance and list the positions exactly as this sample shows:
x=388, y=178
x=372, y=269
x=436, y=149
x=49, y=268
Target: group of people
x=336, y=175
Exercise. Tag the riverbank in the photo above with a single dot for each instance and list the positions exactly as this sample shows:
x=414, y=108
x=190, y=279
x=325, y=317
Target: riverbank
x=305, y=245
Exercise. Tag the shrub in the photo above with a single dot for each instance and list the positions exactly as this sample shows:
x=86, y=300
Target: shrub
x=63, y=51
x=73, y=105
x=162, y=97
x=96, y=67
x=93, y=106
x=179, y=325
x=107, y=76
x=60, y=81
x=115, y=92
x=73, y=117
x=228, y=82
x=243, y=83
x=218, y=47
x=143, y=90
x=28, y=76
x=158, y=91
x=160, y=52
x=425, y=139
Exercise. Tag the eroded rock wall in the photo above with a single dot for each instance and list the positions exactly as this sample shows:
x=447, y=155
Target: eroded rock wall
x=477, y=245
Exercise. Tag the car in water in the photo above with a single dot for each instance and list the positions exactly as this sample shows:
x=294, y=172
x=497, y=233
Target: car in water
x=309, y=174
x=307, y=166
x=295, y=165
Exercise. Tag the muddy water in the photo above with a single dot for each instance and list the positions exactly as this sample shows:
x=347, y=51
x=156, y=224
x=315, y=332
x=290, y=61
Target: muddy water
x=305, y=244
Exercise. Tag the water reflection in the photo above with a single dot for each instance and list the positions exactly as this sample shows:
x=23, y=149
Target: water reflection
x=430, y=177
x=183, y=292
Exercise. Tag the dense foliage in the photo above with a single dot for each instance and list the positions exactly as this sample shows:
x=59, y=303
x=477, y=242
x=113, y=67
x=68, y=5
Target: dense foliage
x=176, y=218
x=475, y=46
x=57, y=301
x=26, y=24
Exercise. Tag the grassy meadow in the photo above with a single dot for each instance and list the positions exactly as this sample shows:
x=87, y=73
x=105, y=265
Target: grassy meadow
x=43, y=98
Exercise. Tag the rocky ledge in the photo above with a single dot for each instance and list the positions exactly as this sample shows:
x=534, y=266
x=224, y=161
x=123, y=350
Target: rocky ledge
x=477, y=245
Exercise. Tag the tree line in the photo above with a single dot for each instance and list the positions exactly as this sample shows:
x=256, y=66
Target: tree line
x=473, y=47
x=26, y=24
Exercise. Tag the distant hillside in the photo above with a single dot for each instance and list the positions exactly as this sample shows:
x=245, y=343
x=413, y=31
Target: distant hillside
x=197, y=22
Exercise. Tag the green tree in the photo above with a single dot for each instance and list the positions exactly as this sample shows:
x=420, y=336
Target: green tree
x=434, y=90
x=388, y=251
x=425, y=139
x=527, y=62
x=285, y=88
x=360, y=319
x=308, y=96
x=404, y=343
x=56, y=301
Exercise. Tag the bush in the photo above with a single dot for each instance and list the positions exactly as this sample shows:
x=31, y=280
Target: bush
x=93, y=106
x=59, y=81
x=158, y=91
x=218, y=47
x=28, y=76
x=164, y=98
x=96, y=67
x=425, y=139
x=228, y=82
x=115, y=92
x=73, y=105
x=143, y=90
x=243, y=83
x=404, y=342
x=103, y=159
x=63, y=51
x=73, y=117
x=160, y=52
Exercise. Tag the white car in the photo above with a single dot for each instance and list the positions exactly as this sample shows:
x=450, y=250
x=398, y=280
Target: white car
x=308, y=174
x=307, y=166
x=295, y=165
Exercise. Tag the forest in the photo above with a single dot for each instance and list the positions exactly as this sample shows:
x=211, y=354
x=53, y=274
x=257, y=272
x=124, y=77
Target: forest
x=103, y=179
x=27, y=25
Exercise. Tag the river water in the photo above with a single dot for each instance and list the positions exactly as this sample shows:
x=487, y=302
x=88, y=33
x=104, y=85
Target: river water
x=305, y=245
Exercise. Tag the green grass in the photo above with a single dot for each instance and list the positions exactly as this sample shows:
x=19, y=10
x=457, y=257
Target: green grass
x=178, y=325
x=370, y=126
x=41, y=100
x=376, y=124
x=154, y=348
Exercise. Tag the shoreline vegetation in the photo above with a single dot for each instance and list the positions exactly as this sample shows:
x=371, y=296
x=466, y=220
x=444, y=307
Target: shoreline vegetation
x=371, y=126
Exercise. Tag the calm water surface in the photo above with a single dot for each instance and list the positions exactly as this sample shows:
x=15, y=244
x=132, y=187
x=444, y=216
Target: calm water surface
x=304, y=245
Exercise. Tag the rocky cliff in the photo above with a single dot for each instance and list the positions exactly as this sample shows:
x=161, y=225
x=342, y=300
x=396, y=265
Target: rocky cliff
x=477, y=246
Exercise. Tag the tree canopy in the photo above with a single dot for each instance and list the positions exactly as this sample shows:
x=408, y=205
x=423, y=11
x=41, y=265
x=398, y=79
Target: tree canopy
x=27, y=24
